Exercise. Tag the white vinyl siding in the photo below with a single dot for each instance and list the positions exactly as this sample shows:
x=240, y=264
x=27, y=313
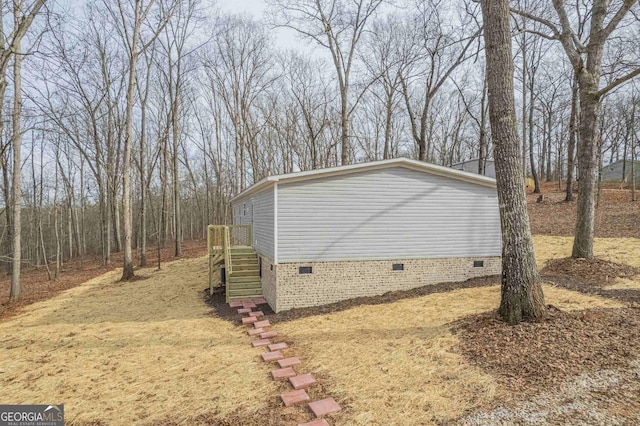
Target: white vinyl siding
x=263, y=220
x=260, y=214
x=392, y=213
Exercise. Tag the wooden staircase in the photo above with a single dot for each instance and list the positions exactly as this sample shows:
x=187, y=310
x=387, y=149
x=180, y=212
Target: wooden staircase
x=244, y=280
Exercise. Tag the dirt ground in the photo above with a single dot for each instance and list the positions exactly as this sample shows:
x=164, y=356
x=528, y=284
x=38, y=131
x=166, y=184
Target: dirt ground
x=36, y=285
x=616, y=215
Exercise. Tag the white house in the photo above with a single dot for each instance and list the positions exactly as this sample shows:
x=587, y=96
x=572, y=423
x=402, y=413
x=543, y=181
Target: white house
x=472, y=166
x=620, y=171
x=361, y=230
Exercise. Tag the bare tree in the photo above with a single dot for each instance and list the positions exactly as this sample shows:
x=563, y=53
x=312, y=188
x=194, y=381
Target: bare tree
x=336, y=25
x=586, y=57
x=132, y=17
x=11, y=48
x=434, y=52
x=522, y=296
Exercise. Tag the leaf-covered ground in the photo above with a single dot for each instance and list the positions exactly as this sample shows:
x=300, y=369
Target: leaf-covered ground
x=616, y=216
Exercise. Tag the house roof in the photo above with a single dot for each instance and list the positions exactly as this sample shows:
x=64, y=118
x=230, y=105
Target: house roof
x=373, y=165
x=628, y=160
x=471, y=160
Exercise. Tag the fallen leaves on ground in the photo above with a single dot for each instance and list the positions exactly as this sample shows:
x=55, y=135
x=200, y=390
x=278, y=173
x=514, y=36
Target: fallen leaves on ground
x=616, y=215
x=534, y=356
x=597, y=272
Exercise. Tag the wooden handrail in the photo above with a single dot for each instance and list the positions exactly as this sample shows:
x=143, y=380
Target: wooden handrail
x=227, y=251
x=220, y=239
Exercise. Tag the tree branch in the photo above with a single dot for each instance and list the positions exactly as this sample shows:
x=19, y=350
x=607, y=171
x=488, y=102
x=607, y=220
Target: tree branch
x=617, y=82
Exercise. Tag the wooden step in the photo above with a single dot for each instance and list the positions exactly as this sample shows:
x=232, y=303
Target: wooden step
x=245, y=273
x=248, y=286
x=244, y=260
x=241, y=280
x=240, y=296
x=242, y=251
x=245, y=267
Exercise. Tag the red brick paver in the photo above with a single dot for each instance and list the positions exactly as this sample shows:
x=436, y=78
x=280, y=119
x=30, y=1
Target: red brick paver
x=294, y=397
x=261, y=342
x=262, y=324
x=283, y=373
x=272, y=356
x=303, y=381
x=288, y=362
x=324, y=406
x=277, y=346
x=300, y=382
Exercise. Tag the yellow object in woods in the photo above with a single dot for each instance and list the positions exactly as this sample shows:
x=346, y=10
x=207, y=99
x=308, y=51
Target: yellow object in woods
x=530, y=183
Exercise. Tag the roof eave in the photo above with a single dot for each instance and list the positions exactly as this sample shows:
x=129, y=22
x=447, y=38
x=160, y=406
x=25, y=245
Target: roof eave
x=374, y=165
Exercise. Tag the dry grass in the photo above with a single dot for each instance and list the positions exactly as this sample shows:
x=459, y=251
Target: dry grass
x=147, y=352
x=131, y=353
x=396, y=364
x=624, y=284
x=620, y=250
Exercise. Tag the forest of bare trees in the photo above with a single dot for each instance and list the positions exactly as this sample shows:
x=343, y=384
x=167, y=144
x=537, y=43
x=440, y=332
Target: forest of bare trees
x=129, y=124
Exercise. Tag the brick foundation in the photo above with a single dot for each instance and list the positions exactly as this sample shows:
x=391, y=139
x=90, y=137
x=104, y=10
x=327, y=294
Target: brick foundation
x=269, y=281
x=284, y=288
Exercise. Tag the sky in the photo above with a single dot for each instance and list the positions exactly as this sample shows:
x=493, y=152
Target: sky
x=285, y=38
x=255, y=7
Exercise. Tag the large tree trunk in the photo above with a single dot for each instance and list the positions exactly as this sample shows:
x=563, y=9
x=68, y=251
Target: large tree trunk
x=522, y=296
x=127, y=271
x=587, y=166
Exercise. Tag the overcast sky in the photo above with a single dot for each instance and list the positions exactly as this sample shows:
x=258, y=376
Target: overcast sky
x=255, y=7
x=284, y=38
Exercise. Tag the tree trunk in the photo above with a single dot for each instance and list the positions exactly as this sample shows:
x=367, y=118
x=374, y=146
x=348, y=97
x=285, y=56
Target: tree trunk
x=16, y=190
x=387, y=126
x=524, y=106
x=573, y=131
x=633, y=171
x=534, y=173
x=344, y=123
x=522, y=296
x=587, y=166
x=176, y=181
x=482, y=149
x=127, y=267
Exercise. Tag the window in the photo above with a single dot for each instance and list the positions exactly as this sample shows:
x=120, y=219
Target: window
x=244, y=209
x=397, y=267
x=305, y=270
x=260, y=266
x=478, y=263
